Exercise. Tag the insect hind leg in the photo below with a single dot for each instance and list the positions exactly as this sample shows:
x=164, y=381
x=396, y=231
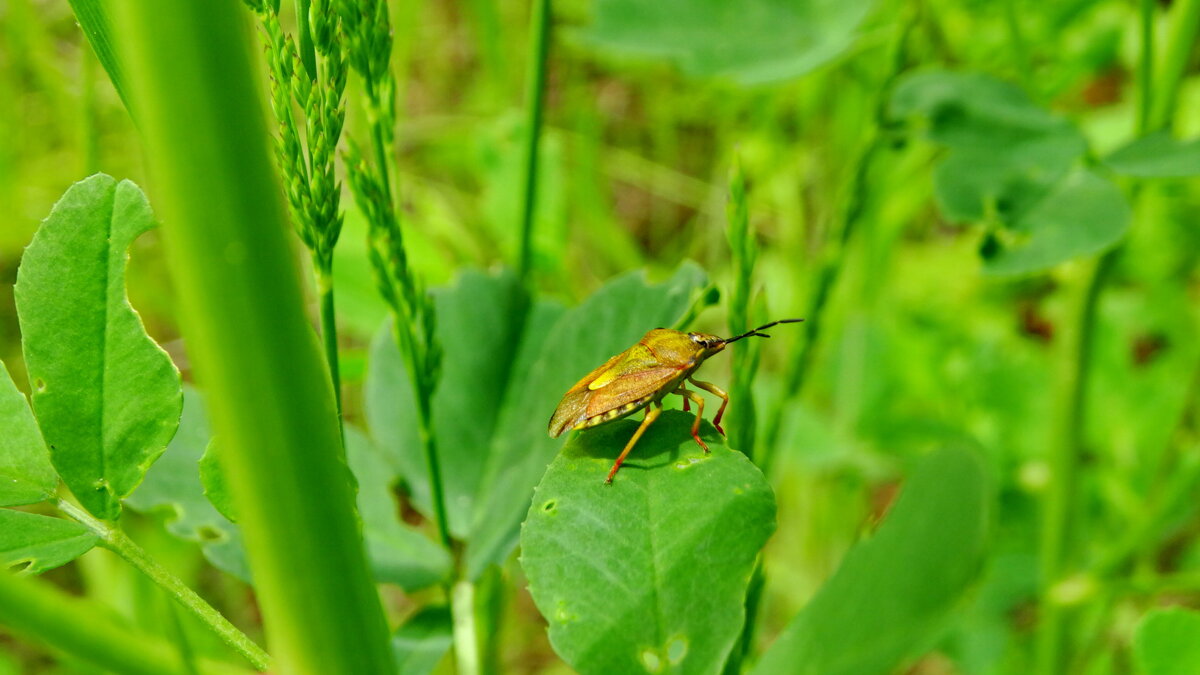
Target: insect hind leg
x=714, y=389
x=652, y=413
x=689, y=394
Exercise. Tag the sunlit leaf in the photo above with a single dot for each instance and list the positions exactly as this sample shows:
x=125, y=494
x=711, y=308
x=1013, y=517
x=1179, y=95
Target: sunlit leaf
x=647, y=574
x=892, y=595
x=106, y=396
x=26, y=475
x=1167, y=642
x=38, y=543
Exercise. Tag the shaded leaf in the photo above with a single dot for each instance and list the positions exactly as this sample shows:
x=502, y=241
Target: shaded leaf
x=889, y=599
x=107, y=397
x=422, y=641
x=172, y=487
x=1167, y=642
x=752, y=42
x=1085, y=214
x=216, y=490
x=41, y=542
x=398, y=553
x=477, y=327
x=557, y=349
x=643, y=575
x=26, y=475
x=1157, y=155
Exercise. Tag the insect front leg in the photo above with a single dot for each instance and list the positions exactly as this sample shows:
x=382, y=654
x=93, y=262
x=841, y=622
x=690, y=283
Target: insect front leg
x=682, y=391
x=714, y=389
x=652, y=413
x=689, y=394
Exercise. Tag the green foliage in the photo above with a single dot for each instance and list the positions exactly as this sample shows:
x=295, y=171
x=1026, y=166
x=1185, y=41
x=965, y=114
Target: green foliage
x=1156, y=155
x=107, y=397
x=26, y=475
x=1167, y=642
x=422, y=641
x=40, y=543
x=172, y=487
x=892, y=594
x=1009, y=164
x=645, y=574
x=753, y=42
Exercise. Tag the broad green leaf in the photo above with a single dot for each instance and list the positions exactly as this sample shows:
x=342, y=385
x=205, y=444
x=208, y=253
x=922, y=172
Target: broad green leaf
x=1167, y=642
x=106, y=396
x=25, y=472
x=422, y=641
x=1085, y=214
x=647, y=574
x=398, y=553
x=890, y=598
x=41, y=543
x=1157, y=155
x=559, y=348
x=752, y=42
x=477, y=329
x=172, y=487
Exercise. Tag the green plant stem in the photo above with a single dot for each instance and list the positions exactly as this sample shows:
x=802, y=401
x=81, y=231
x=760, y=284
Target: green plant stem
x=242, y=310
x=81, y=628
x=853, y=205
x=1146, y=67
x=466, y=638
x=1185, y=24
x=534, y=102
x=1066, y=451
x=115, y=540
x=329, y=334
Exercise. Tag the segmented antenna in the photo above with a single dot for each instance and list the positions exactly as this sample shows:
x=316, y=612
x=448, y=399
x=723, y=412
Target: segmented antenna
x=756, y=331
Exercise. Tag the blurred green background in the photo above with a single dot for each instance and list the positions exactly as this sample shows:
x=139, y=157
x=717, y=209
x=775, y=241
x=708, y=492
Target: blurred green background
x=926, y=338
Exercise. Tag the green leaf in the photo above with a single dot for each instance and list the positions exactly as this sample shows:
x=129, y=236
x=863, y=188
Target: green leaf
x=216, y=490
x=477, y=328
x=97, y=28
x=422, y=641
x=26, y=475
x=398, y=553
x=648, y=574
x=106, y=396
x=1157, y=155
x=1167, y=642
x=1085, y=214
x=172, y=487
x=752, y=42
x=1005, y=152
x=41, y=542
x=890, y=598
x=556, y=350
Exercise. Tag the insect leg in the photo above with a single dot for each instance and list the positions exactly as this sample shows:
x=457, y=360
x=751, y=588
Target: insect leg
x=714, y=389
x=686, y=394
x=652, y=413
x=682, y=391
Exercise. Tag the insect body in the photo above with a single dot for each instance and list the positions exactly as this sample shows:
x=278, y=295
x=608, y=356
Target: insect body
x=661, y=363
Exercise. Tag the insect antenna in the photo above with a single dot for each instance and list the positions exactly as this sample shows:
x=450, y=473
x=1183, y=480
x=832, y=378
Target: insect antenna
x=756, y=331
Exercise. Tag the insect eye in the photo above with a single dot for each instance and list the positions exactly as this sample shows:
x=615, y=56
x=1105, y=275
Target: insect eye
x=696, y=338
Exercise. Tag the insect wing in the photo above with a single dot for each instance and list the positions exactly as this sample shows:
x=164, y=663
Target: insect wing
x=631, y=388
x=572, y=408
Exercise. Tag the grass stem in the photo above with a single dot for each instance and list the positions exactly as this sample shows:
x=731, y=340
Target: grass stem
x=539, y=45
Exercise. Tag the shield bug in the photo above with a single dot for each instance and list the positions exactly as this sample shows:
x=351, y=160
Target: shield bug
x=661, y=363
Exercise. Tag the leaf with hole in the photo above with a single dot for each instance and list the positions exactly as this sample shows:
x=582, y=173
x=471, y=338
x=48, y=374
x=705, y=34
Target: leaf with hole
x=891, y=597
x=26, y=475
x=106, y=396
x=643, y=575
x=37, y=543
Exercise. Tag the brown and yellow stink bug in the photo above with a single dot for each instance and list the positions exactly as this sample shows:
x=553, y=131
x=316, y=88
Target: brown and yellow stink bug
x=640, y=377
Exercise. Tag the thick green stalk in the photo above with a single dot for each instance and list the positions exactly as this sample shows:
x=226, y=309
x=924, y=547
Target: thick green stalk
x=81, y=628
x=1066, y=450
x=115, y=539
x=539, y=45
x=242, y=310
